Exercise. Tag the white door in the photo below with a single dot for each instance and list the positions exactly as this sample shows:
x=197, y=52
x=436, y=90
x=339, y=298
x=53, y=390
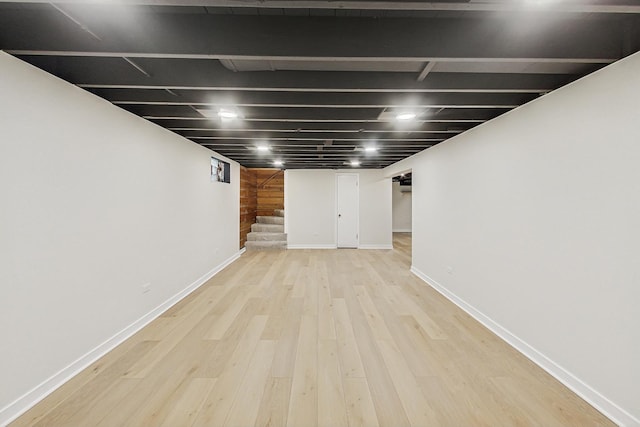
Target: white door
x=347, y=213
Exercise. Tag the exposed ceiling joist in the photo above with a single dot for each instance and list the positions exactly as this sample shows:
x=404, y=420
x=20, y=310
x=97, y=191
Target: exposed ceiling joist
x=225, y=99
x=419, y=106
x=398, y=75
x=335, y=123
x=243, y=138
x=432, y=61
x=174, y=74
x=273, y=132
x=129, y=31
x=328, y=127
x=313, y=90
x=473, y=6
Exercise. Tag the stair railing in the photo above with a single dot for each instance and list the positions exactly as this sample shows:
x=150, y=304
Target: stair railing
x=266, y=181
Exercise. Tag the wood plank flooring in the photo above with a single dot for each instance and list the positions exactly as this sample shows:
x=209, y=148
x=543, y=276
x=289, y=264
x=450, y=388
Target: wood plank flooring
x=314, y=338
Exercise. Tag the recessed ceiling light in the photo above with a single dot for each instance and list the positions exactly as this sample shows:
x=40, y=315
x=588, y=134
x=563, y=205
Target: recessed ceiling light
x=278, y=163
x=371, y=149
x=406, y=116
x=262, y=148
x=227, y=115
x=355, y=163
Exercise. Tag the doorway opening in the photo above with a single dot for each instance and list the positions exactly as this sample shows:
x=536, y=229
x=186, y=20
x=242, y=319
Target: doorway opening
x=402, y=212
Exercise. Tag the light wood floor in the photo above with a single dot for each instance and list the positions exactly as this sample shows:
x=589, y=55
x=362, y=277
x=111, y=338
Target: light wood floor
x=305, y=338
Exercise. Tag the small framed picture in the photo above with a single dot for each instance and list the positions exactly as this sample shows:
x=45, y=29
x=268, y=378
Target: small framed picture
x=220, y=171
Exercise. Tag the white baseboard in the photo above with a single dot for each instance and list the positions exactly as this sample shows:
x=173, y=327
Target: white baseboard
x=312, y=247
x=402, y=230
x=593, y=397
x=36, y=394
x=336, y=247
x=375, y=247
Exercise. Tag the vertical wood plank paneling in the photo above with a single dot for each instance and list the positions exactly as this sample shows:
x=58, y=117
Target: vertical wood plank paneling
x=270, y=188
x=261, y=192
x=248, y=202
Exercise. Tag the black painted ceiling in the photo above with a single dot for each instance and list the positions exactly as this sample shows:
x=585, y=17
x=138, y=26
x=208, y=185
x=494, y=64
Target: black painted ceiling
x=320, y=81
x=403, y=179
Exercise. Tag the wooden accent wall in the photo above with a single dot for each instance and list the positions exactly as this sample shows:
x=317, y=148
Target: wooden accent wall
x=248, y=202
x=270, y=185
x=261, y=191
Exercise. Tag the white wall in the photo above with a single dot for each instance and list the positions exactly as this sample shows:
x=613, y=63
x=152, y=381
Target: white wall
x=310, y=208
x=94, y=203
x=537, y=213
x=401, y=209
x=375, y=210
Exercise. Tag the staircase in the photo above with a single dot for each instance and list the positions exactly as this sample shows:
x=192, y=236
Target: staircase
x=268, y=233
